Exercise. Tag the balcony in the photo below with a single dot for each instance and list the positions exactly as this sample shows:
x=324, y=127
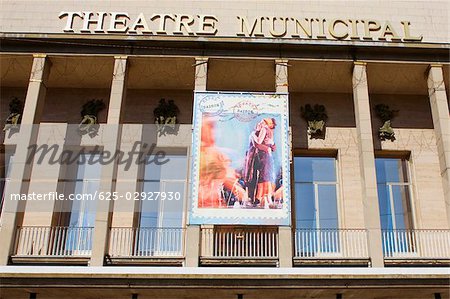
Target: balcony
x=55, y=245
x=410, y=247
x=146, y=246
x=313, y=247
x=226, y=245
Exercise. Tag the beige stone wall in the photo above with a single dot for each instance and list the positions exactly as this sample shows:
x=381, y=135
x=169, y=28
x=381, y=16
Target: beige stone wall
x=140, y=104
x=429, y=19
x=241, y=75
x=414, y=133
x=64, y=105
x=340, y=136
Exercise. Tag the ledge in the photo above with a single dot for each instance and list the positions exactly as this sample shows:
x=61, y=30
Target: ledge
x=80, y=44
x=420, y=262
x=50, y=260
x=229, y=261
x=330, y=262
x=145, y=261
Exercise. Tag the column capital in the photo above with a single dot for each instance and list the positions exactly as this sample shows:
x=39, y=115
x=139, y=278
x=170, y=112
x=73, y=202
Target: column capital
x=39, y=55
x=436, y=65
x=281, y=61
x=124, y=57
x=433, y=65
x=362, y=63
x=202, y=59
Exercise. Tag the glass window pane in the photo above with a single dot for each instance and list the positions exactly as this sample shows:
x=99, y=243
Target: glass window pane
x=173, y=204
x=149, y=213
x=393, y=193
x=305, y=206
x=401, y=206
x=328, y=215
x=83, y=210
x=88, y=167
x=314, y=169
x=167, y=182
x=391, y=170
x=166, y=171
x=384, y=206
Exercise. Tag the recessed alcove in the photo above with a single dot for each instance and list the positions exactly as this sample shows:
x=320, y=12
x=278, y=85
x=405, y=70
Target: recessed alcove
x=153, y=78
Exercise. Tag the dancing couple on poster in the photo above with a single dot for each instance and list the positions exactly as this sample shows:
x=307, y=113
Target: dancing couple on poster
x=259, y=169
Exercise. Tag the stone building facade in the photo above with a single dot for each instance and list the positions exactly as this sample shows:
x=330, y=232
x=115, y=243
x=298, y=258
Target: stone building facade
x=390, y=238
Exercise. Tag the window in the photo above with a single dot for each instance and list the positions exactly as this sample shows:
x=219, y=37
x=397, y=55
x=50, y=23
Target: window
x=5, y=176
x=394, y=201
x=315, y=193
x=85, y=185
x=6, y=158
x=316, y=210
x=75, y=222
x=162, y=205
x=394, y=194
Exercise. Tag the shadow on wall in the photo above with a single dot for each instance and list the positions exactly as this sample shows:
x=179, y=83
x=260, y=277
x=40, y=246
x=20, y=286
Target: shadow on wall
x=63, y=105
x=140, y=104
x=6, y=94
x=339, y=108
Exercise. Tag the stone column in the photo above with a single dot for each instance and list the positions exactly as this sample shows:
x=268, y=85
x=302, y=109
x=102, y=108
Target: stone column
x=281, y=76
x=284, y=232
x=367, y=163
x=201, y=73
x=21, y=170
x=441, y=124
x=112, y=137
x=128, y=175
x=193, y=231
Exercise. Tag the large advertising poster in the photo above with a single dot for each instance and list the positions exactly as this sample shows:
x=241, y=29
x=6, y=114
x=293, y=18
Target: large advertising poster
x=240, y=163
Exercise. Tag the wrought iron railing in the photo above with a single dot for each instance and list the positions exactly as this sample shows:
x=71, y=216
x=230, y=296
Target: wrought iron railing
x=331, y=243
x=417, y=243
x=146, y=242
x=242, y=242
x=53, y=241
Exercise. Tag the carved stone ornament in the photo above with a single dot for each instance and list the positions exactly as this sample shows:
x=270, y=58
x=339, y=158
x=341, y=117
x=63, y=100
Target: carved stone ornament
x=315, y=117
x=15, y=114
x=89, y=113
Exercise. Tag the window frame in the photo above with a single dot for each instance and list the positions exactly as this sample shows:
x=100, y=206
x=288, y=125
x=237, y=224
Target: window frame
x=62, y=212
x=314, y=153
x=181, y=151
x=6, y=154
x=405, y=158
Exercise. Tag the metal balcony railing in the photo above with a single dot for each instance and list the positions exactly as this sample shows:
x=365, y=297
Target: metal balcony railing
x=243, y=242
x=417, y=243
x=331, y=243
x=146, y=242
x=53, y=241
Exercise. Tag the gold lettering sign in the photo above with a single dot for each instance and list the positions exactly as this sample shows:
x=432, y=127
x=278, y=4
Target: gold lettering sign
x=251, y=27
